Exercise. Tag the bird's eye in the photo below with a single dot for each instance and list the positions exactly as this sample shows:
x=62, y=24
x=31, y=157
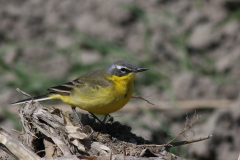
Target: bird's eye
x=123, y=69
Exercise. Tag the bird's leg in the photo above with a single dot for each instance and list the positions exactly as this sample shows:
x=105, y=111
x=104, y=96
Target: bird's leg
x=76, y=115
x=107, y=118
x=95, y=117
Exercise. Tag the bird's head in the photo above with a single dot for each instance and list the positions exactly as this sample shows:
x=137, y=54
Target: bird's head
x=123, y=69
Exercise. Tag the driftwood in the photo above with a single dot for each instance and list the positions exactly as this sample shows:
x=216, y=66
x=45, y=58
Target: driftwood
x=49, y=133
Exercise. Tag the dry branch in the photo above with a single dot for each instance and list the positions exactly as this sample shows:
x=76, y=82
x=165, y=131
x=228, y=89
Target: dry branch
x=174, y=144
x=64, y=139
x=180, y=143
x=188, y=125
x=140, y=97
x=61, y=135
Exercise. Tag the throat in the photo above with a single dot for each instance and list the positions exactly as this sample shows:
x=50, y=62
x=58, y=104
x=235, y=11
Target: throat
x=124, y=85
x=124, y=80
x=124, y=89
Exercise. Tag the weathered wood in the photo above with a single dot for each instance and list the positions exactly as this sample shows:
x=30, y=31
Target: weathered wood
x=16, y=147
x=62, y=139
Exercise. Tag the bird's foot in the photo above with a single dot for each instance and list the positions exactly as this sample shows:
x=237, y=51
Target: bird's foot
x=108, y=119
x=96, y=118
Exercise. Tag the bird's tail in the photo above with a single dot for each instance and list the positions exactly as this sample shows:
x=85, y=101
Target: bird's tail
x=38, y=98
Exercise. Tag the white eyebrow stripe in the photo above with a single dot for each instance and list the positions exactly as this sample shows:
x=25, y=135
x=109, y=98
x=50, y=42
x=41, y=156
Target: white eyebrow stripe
x=119, y=67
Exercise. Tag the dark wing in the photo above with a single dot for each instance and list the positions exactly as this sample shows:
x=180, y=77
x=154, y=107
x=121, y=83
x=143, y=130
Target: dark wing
x=64, y=89
x=89, y=80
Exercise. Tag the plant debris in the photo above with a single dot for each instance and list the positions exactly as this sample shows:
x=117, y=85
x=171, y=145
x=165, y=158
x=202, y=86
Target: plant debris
x=51, y=133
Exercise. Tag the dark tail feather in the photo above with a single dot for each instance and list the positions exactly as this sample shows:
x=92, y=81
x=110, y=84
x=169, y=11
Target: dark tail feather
x=38, y=98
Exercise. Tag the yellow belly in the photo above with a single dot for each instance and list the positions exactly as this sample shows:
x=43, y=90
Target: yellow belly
x=103, y=100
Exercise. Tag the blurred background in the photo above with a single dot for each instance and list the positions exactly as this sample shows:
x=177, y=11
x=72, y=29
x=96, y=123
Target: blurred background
x=190, y=47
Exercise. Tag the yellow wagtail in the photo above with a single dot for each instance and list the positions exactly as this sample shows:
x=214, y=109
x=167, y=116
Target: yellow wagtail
x=98, y=92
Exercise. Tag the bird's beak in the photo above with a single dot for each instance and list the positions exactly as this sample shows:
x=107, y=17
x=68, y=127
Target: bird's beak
x=140, y=70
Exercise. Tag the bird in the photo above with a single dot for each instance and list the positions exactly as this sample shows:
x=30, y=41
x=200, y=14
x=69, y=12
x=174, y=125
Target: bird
x=99, y=92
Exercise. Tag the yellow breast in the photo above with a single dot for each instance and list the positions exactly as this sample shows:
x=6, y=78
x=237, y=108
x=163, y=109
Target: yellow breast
x=105, y=100
x=122, y=91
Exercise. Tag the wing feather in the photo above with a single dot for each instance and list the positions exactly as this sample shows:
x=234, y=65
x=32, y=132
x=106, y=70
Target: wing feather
x=90, y=80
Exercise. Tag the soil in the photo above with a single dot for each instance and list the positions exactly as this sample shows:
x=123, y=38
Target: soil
x=156, y=31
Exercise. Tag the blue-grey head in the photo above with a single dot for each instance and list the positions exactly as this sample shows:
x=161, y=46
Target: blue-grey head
x=122, y=68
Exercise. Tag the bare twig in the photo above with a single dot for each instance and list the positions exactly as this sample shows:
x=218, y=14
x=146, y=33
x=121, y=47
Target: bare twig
x=25, y=94
x=140, y=97
x=188, y=125
x=40, y=151
x=17, y=131
x=174, y=144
